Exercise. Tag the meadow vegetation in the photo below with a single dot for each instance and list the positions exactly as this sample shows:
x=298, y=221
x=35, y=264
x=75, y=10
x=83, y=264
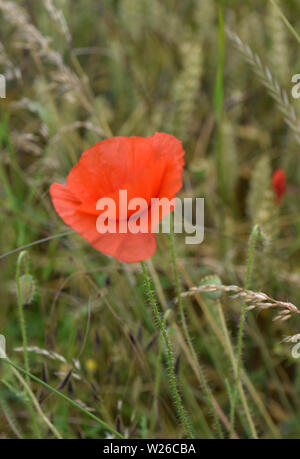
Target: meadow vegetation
x=217, y=75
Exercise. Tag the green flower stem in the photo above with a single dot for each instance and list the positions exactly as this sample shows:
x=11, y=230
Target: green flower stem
x=174, y=389
x=157, y=376
x=64, y=397
x=23, y=255
x=187, y=334
x=254, y=234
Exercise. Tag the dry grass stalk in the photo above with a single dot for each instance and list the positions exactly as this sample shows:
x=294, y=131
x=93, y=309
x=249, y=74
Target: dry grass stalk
x=58, y=17
x=10, y=70
x=31, y=38
x=37, y=350
x=254, y=300
x=54, y=356
x=276, y=92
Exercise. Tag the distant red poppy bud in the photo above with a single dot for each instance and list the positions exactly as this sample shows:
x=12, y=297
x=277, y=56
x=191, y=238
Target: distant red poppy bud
x=279, y=184
x=145, y=168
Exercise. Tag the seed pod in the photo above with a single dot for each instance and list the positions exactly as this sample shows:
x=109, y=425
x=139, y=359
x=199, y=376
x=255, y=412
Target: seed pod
x=27, y=288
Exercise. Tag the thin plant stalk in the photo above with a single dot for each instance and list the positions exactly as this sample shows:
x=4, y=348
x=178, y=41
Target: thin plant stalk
x=39, y=241
x=219, y=102
x=10, y=419
x=286, y=21
x=36, y=403
x=171, y=367
x=182, y=342
x=187, y=333
x=22, y=256
x=234, y=364
x=64, y=397
x=229, y=350
x=253, y=237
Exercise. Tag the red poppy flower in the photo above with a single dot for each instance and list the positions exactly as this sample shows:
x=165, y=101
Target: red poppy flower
x=279, y=184
x=145, y=167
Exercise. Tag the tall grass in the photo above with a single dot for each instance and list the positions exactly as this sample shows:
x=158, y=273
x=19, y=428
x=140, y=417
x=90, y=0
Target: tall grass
x=85, y=358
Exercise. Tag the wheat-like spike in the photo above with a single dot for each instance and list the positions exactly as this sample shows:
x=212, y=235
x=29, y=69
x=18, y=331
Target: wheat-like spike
x=279, y=51
x=205, y=13
x=263, y=211
x=53, y=356
x=259, y=185
x=77, y=125
x=157, y=11
x=254, y=300
x=186, y=87
x=31, y=35
x=132, y=14
x=32, y=38
x=58, y=17
x=276, y=92
x=230, y=157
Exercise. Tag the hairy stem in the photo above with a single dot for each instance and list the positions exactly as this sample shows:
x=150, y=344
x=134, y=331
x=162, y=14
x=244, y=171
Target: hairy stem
x=157, y=377
x=23, y=255
x=174, y=389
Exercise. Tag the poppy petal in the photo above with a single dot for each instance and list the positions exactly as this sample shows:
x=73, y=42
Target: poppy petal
x=171, y=148
x=126, y=247
x=145, y=167
x=108, y=166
